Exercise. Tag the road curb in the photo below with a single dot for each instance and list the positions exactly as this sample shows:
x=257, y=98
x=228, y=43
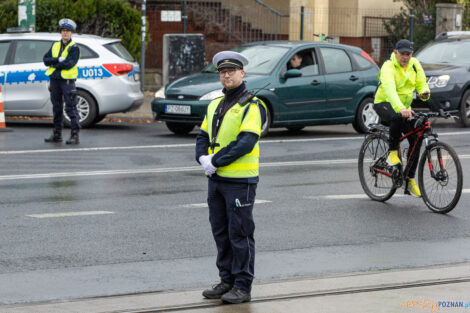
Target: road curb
x=308, y=288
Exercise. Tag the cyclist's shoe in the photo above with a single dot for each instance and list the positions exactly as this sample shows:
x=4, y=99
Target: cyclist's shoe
x=393, y=158
x=413, y=188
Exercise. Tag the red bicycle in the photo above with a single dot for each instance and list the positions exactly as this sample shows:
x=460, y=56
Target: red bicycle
x=440, y=181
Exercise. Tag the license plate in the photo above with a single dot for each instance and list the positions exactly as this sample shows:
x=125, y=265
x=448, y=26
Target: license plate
x=178, y=109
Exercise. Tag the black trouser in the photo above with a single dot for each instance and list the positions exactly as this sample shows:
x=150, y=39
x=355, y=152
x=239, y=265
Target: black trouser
x=231, y=218
x=399, y=126
x=64, y=90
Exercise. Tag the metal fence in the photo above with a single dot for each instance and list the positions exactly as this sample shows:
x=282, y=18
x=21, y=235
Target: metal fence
x=227, y=23
x=238, y=20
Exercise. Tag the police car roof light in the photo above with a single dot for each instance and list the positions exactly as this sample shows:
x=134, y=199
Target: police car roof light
x=19, y=30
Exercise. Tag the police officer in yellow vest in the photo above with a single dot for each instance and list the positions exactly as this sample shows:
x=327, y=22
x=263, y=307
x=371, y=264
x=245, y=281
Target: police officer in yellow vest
x=399, y=77
x=227, y=148
x=62, y=60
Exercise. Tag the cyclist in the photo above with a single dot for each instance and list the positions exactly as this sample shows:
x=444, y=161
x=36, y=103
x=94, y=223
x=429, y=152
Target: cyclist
x=399, y=77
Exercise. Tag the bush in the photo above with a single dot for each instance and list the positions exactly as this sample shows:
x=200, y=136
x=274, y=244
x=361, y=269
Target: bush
x=8, y=14
x=106, y=18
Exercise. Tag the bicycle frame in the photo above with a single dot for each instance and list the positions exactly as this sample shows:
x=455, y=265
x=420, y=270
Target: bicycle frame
x=423, y=133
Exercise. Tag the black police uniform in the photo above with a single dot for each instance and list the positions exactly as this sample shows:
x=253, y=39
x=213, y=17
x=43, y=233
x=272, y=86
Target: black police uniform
x=63, y=90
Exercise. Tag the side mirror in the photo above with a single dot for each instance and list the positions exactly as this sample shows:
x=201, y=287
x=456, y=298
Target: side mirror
x=292, y=73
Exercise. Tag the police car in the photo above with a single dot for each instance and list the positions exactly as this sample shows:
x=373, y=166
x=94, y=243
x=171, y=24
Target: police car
x=108, y=76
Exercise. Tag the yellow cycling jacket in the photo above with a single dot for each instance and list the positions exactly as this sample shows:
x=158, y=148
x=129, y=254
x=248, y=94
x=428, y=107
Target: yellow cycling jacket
x=397, y=85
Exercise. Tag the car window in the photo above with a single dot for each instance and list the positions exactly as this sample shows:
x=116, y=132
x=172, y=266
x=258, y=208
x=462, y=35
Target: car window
x=31, y=51
x=262, y=59
x=305, y=61
x=118, y=49
x=453, y=52
x=4, y=46
x=86, y=53
x=362, y=62
x=336, y=60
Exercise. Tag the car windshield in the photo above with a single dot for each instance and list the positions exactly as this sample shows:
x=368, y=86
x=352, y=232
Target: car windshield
x=451, y=52
x=262, y=58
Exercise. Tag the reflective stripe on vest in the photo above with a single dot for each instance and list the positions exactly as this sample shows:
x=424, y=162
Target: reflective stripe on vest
x=248, y=164
x=71, y=73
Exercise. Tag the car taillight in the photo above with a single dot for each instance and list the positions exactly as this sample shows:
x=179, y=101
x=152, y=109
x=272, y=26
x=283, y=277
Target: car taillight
x=366, y=56
x=119, y=68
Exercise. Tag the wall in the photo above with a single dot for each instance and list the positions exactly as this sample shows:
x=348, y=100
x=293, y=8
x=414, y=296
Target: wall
x=315, y=18
x=340, y=18
x=446, y=17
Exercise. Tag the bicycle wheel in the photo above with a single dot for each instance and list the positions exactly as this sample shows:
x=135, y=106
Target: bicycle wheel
x=441, y=192
x=377, y=185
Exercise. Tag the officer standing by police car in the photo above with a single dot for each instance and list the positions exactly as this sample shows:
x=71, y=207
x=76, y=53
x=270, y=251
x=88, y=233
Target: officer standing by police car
x=62, y=60
x=228, y=150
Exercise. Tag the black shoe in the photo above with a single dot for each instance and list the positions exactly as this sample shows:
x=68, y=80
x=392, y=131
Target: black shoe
x=236, y=296
x=217, y=290
x=73, y=140
x=55, y=137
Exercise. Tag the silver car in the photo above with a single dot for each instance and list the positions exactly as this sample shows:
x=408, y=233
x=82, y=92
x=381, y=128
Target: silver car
x=108, y=76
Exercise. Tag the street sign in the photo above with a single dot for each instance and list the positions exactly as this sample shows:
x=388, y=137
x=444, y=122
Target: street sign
x=27, y=14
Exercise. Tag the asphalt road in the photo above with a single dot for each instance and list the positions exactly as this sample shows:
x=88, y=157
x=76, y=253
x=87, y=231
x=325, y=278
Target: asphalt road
x=125, y=212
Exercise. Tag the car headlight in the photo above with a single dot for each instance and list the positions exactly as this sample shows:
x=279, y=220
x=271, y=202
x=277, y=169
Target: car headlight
x=160, y=93
x=438, y=81
x=212, y=95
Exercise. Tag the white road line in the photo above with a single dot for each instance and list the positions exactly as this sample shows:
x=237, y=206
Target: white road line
x=190, y=145
x=204, y=205
x=97, y=149
x=177, y=169
x=49, y=215
x=356, y=196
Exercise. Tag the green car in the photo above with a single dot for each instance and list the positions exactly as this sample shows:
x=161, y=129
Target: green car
x=334, y=84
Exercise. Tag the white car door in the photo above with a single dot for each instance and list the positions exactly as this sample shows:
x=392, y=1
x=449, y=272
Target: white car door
x=4, y=47
x=26, y=81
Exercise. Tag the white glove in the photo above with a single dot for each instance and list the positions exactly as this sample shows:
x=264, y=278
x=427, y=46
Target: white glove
x=206, y=162
x=61, y=59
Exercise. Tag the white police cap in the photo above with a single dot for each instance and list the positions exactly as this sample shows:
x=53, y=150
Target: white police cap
x=67, y=24
x=229, y=59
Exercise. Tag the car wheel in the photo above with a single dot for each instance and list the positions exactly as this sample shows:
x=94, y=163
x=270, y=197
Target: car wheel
x=464, y=115
x=267, y=123
x=87, y=110
x=180, y=128
x=365, y=116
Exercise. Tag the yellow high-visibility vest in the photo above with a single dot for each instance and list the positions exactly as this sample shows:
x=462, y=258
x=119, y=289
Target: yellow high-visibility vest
x=71, y=73
x=238, y=119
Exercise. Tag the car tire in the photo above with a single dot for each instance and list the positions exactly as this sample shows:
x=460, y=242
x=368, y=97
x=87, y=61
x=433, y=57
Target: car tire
x=464, y=109
x=267, y=123
x=87, y=109
x=180, y=128
x=365, y=116
x=99, y=118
